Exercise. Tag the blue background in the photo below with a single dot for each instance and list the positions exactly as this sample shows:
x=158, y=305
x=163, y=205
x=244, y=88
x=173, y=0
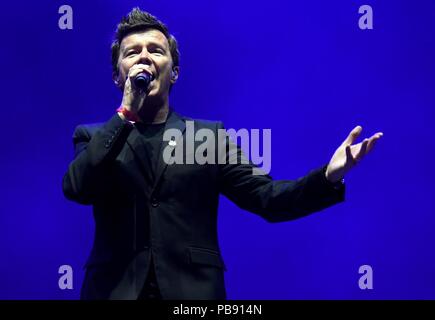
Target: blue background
x=303, y=69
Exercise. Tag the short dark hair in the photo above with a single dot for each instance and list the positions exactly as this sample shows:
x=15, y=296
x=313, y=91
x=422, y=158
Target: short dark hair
x=138, y=20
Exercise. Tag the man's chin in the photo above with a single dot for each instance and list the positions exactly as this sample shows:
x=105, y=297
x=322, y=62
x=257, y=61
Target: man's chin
x=153, y=100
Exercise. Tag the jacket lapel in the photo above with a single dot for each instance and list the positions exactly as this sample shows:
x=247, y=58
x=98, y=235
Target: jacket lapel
x=134, y=141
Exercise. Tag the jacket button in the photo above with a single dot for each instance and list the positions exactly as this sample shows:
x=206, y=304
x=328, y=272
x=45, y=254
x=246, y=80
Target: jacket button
x=154, y=203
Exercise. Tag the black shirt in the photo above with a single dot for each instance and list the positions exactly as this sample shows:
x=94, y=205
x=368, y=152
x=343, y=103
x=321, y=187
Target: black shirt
x=152, y=137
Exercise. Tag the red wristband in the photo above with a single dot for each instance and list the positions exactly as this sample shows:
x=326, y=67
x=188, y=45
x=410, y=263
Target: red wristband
x=130, y=116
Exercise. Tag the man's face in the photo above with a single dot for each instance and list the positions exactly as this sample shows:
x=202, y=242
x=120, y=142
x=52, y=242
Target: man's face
x=149, y=48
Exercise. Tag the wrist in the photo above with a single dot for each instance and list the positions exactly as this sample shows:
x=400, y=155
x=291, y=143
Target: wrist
x=121, y=115
x=335, y=182
x=126, y=114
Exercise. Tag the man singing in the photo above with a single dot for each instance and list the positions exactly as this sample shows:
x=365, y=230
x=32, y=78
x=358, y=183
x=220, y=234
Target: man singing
x=156, y=223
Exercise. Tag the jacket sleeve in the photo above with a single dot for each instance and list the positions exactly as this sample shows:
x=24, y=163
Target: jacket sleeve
x=274, y=200
x=86, y=178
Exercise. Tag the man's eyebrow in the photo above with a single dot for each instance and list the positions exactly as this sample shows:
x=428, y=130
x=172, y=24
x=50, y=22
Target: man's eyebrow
x=156, y=44
x=125, y=48
x=152, y=43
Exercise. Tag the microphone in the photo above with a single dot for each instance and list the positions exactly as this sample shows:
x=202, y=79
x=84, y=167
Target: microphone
x=142, y=80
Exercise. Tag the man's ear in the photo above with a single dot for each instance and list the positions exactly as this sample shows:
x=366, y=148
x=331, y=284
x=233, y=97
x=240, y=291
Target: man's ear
x=174, y=74
x=115, y=78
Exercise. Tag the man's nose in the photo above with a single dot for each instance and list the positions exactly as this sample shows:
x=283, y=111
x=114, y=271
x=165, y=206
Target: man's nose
x=145, y=57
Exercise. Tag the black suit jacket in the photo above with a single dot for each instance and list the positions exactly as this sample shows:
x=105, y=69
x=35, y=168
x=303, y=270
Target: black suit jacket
x=175, y=219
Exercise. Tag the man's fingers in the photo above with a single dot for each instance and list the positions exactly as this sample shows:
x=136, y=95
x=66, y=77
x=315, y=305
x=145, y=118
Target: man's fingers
x=349, y=154
x=371, y=144
x=134, y=72
x=353, y=135
x=372, y=141
x=138, y=68
x=362, y=150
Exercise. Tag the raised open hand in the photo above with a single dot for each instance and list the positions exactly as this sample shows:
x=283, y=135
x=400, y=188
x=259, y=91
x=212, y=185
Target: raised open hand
x=349, y=154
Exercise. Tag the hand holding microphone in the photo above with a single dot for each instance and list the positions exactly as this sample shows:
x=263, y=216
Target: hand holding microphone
x=136, y=87
x=142, y=81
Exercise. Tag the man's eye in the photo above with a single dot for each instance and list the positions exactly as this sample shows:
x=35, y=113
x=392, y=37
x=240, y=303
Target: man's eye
x=130, y=53
x=158, y=51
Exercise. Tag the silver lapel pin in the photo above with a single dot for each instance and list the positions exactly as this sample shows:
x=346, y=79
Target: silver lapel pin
x=172, y=143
